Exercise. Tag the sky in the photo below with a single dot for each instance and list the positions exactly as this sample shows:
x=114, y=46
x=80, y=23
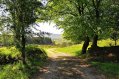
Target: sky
x=46, y=27
x=49, y=27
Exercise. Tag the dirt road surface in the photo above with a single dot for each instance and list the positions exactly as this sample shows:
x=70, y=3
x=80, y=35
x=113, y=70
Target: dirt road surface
x=63, y=66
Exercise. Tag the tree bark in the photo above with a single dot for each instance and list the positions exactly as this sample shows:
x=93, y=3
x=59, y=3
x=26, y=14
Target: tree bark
x=94, y=43
x=23, y=43
x=85, y=45
x=17, y=40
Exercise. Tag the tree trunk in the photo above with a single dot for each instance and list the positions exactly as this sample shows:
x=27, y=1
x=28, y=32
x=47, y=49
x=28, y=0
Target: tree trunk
x=17, y=42
x=23, y=43
x=23, y=48
x=94, y=43
x=85, y=45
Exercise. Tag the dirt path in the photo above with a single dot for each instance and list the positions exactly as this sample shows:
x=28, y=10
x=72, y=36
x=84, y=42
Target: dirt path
x=63, y=66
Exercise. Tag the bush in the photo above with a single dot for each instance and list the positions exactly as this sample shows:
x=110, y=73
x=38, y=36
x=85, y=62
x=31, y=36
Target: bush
x=105, y=53
x=15, y=69
x=9, y=55
x=34, y=52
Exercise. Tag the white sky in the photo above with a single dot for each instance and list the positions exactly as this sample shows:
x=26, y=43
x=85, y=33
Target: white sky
x=49, y=27
x=46, y=27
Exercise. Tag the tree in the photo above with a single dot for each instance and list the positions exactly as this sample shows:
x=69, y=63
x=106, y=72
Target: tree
x=21, y=14
x=80, y=18
x=115, y=37
x=69, y=15
x=113, y=13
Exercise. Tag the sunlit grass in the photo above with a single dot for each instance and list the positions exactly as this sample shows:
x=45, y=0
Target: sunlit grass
x=107, y=42
x=109, y=69
x=73, y=50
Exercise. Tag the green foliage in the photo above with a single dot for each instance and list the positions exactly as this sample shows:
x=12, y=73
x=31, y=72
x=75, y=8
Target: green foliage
x=18, y=70
x=39, y=40
x=35, y=58
x=9, y=55
x=35, y=53
x=79, y=18
x=13, y=71
x=6, y=40
x=22, y=14
x=9, y=51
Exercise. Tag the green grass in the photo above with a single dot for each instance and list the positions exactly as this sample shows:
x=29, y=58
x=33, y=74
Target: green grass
x=73, y=50
x=107, y=42
x=109, y=69
x=13, y=71
x=18, y=70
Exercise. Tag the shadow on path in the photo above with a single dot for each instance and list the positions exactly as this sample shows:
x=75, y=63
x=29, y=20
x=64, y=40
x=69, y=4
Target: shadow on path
x=67, y=67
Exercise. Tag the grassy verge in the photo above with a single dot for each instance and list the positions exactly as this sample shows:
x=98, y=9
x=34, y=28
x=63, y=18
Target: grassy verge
x=17, y=70
x=12, y=71
x=111, y=70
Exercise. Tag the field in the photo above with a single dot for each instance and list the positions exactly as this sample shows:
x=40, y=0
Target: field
x=73, y=50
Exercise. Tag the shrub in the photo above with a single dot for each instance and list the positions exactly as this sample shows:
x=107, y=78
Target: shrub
x=16, y=69
x=34, y=52
x=13, y=71
x=9, y=55
x=105, y=53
